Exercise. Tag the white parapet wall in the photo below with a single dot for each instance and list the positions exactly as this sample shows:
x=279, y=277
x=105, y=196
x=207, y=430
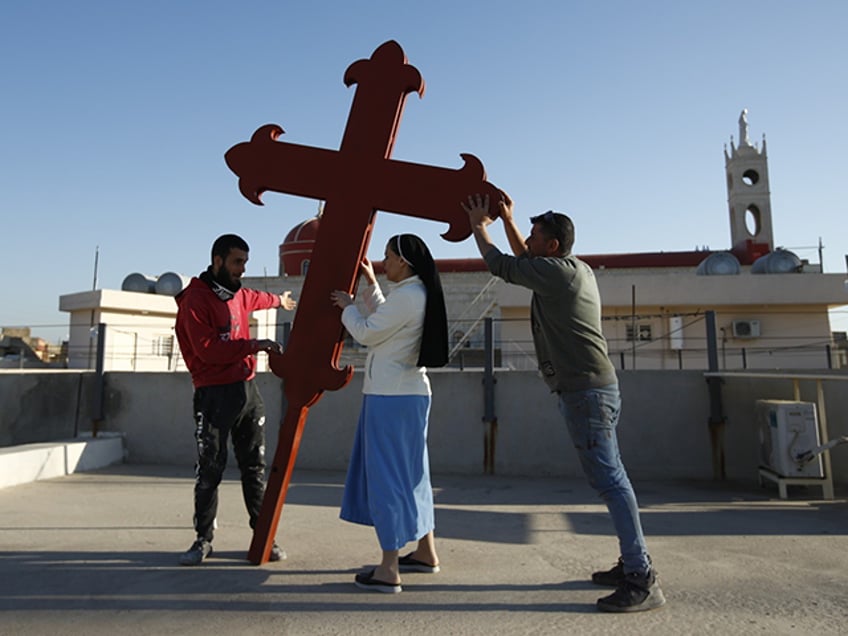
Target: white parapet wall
x=31, y=462
x=663, y=433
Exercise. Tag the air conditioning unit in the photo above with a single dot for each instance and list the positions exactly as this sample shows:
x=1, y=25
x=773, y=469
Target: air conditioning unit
x=746, y=328
x=788, y=429
x=675, y=332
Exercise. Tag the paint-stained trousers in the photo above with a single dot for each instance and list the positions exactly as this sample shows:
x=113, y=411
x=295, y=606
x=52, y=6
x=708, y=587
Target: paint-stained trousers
x=220, y=412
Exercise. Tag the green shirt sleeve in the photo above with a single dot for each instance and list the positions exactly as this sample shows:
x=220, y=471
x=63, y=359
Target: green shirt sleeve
x=543, y=275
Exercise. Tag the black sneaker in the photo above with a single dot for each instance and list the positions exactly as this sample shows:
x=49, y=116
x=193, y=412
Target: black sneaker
x=610, y=578
x=636, y=593
x=277, y=553
x=198, y=551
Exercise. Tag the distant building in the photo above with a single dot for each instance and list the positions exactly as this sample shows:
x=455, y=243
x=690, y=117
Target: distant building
x=139, y=330
x=19, y=350
x=15, y=349
x=139, y=324
x=771, y=307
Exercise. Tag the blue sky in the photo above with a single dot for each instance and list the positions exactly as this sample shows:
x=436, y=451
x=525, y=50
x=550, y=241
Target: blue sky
x=115, y=117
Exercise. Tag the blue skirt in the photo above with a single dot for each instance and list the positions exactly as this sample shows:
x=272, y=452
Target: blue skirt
x=388, y=478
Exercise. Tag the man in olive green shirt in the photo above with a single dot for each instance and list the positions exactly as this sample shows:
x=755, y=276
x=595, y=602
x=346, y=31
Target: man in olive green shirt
x=565, y=315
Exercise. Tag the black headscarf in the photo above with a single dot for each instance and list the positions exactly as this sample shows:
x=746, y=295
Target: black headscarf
x=434, y=339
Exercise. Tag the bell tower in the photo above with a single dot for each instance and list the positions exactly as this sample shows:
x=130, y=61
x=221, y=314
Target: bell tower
x=748, y=195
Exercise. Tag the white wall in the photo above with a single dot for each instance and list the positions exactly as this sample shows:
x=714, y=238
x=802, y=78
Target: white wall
x=663, y=431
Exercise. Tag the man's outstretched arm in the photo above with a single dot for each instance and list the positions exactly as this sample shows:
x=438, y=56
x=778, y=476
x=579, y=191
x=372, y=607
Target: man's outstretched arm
x=477, y=209
x=513, y=234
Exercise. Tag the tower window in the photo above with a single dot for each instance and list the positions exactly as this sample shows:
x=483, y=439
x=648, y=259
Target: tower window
x=753, y=222
x=750, y=177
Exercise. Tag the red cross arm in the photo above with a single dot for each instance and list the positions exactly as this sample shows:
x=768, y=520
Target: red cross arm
x=434, y=193
x=258, y=165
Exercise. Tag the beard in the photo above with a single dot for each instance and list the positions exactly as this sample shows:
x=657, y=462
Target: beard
x=226, y=280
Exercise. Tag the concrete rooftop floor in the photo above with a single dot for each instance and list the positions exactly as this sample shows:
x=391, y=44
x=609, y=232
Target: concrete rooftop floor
x=96, y=553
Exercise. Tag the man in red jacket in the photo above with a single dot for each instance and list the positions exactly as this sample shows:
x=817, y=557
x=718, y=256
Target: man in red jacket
x=213, y=332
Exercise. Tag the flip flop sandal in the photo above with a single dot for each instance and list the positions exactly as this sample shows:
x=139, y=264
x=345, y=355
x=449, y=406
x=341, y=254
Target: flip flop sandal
x=366, y=581
x=409, y=564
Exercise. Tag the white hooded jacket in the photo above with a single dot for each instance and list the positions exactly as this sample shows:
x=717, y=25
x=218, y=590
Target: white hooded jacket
x=392, y=332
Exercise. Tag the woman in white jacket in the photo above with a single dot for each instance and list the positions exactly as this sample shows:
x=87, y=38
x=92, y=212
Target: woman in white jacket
x=388, y=480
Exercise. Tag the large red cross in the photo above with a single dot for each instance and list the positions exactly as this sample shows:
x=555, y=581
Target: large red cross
x=354, y=181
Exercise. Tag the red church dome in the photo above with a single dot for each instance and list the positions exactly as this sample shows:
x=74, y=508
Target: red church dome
x=296, y=249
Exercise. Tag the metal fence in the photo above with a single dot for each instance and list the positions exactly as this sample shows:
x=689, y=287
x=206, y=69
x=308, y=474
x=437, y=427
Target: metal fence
x=667, y=349
x=640, y=342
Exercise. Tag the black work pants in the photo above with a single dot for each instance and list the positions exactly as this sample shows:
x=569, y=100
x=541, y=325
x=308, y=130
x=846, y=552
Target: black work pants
x=228, y=411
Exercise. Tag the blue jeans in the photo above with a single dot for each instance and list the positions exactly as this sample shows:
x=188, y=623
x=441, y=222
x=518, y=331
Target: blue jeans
x=591, y=417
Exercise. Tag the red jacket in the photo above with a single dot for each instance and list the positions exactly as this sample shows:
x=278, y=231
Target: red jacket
x=214, y=334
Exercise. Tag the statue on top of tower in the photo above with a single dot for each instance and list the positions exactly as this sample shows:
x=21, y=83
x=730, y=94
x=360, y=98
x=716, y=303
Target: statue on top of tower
x=743, y=128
